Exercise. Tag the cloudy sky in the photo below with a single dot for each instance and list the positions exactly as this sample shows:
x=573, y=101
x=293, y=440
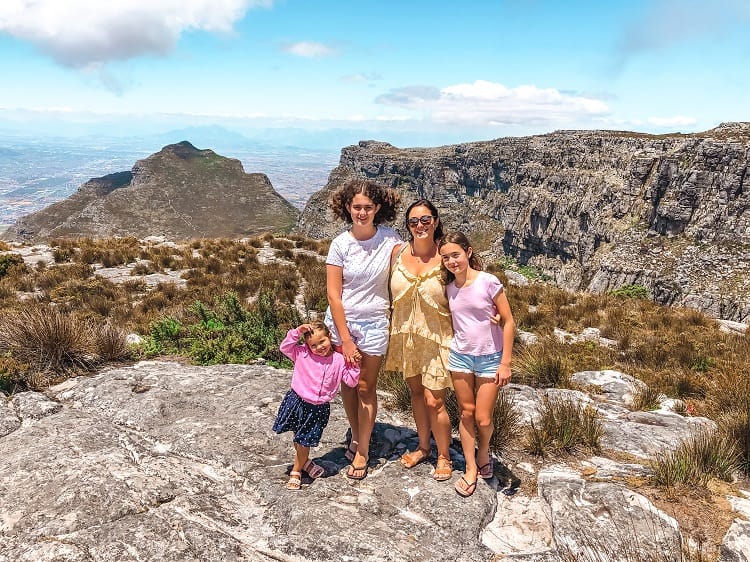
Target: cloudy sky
x=458, y=70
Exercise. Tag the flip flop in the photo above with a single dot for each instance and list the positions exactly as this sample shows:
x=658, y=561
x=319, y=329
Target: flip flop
x=349, y=454
x=313, y=470
x=295, y=480
x=410, y=459
x=467, y=489
x=487, y=471
x=352, y=470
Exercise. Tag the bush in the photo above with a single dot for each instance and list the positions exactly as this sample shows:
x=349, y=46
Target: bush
x=8, y=261
x=564, y=426
x=227, y=332
x=696, y=460
x=507, y=421
x=50, y=342
x=631, y=291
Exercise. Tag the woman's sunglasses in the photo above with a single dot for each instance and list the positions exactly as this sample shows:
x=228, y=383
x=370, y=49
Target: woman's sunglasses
x=424, y=219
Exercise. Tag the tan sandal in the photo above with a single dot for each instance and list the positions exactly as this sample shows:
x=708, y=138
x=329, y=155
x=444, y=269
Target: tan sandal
x=443, y=469
x=295, y=480
x=410, y=459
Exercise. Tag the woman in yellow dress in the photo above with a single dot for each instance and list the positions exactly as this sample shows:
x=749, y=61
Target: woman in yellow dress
x=421, y=333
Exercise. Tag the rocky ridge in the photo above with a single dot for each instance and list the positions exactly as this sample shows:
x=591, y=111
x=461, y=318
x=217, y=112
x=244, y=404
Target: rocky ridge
x=594, y=209
x=162, y=461
x=180, y=193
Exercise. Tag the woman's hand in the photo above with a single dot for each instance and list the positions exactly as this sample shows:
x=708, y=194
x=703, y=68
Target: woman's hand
x=350, y=352
x=503, y=374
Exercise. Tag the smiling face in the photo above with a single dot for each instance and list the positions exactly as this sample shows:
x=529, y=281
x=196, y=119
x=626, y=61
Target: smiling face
x=319, y=342
x=455, y=258
x=362, y=210
x=422, y=223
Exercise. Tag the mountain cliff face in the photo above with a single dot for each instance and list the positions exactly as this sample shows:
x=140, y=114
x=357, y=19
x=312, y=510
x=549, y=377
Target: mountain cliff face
x=594, y=209
x=180, y=192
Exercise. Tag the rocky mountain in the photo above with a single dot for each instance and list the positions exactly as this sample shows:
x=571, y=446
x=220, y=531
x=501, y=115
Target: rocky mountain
x=595, y=210
x=163, y=461
x=180, y=193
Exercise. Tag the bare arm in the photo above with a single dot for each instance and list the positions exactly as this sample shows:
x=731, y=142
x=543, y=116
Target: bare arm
x=335, y=283
x=503, y=374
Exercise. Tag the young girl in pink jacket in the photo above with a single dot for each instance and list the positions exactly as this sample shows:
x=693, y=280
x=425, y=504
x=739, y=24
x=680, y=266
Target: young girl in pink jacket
x=318, y=372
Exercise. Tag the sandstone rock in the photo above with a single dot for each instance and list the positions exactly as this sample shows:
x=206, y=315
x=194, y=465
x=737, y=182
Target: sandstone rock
x=34, y=405
x=590, y=518
x=736, y=544
x=163, y=461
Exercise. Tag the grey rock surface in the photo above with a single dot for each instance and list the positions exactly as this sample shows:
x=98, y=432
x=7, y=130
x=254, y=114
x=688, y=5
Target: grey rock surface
x=594, y=210
x=161, y=461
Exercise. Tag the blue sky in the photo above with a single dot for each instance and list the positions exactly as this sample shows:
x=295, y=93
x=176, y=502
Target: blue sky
x=406, y=70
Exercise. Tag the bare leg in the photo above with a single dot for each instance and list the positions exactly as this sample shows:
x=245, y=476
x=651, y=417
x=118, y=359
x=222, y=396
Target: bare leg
x=350, y=399
x=301, y=455
x=421, y=415
x=485, y=405
x=463, y=384
x=439, y=421
x=368, y=406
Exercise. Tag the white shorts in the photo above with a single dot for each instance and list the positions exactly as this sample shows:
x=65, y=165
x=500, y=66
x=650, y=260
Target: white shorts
x=370, y=336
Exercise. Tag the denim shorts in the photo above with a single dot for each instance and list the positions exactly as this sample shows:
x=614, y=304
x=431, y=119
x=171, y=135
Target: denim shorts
x=370, y=336
x=479, y=365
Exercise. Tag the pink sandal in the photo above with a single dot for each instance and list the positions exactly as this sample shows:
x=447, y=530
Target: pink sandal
x=313, y=470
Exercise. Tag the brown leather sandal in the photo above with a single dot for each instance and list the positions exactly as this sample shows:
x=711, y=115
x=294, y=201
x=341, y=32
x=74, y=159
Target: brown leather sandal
x=410, y=459
x=443, y=469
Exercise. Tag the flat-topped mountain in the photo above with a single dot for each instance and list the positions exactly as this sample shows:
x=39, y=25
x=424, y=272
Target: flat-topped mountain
x=180, y=192
x=594, y=209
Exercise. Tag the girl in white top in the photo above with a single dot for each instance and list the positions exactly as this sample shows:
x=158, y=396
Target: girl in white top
x=357, y=269
x=480, y=352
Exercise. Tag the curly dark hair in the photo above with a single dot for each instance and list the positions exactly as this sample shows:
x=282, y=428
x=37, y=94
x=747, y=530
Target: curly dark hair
x=461, y=239
x=433, y=211
x=387, y=198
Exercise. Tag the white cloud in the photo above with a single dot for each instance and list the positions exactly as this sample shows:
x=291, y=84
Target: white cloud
x=676, y=121
x=490, y=103
x=79, y=33
x=308, y=49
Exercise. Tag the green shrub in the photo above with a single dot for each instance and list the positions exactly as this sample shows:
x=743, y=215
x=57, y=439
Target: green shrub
x=564, y=426
x=634, y=291
x=646, y=398
x=226, y=332
x=696, y=460
x=9, y=260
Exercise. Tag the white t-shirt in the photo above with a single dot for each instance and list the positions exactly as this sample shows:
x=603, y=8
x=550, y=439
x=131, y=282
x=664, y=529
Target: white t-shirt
x=365, y=265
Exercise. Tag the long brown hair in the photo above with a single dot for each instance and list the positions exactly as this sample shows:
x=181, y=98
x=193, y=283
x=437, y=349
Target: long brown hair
x=387, y=198
x=459, y=238
x=433, y=210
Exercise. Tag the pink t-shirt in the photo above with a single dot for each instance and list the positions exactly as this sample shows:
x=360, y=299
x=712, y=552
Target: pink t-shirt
x=316, y=379
x=471, y=308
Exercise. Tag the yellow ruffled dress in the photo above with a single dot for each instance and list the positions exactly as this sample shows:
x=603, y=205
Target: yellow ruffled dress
x=421, y=328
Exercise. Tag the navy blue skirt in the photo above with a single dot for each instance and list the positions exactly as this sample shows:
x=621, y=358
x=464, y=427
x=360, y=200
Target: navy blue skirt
x=305, y=420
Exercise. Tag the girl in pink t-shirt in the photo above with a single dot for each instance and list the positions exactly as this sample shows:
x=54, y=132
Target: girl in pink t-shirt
x=318, y=372
x=480, y=352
